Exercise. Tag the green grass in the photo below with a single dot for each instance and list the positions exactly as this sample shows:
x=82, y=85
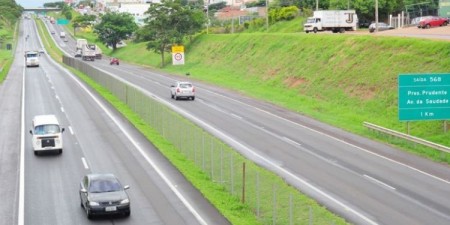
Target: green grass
x=342, y=80
x=230, y=206
x=6, y=56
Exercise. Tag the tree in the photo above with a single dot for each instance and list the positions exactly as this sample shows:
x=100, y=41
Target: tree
x=115, y=27
x=169, y=22
x=83, y=21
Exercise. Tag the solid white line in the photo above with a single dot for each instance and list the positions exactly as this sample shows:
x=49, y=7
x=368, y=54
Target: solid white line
x=379, y=182
x=22, y=158
x=62, y=109
x=84, y=163
x=236, y=116
x=70, y=129
x=136, y=145
x=337, y=139
x=291, y=141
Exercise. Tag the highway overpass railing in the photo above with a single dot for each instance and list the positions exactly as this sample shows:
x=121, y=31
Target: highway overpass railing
x=406, y=137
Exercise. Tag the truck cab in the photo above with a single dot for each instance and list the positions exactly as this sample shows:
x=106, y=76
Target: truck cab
x=46, y=134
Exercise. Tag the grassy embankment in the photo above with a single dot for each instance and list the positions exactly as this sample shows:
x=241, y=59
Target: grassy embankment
x=229, y=206
x=342, y=80
x=9, y=34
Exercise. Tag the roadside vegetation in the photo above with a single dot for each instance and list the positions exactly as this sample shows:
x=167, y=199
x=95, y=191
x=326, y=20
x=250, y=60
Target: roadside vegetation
x=9, y=14
x=342, y=80
x=230, y=206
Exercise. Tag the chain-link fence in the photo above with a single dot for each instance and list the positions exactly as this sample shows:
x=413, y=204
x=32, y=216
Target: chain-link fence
x=271, y=199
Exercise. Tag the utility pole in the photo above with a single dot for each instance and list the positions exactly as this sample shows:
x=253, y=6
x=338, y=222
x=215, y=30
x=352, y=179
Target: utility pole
x=267, y=15
x=376, y=15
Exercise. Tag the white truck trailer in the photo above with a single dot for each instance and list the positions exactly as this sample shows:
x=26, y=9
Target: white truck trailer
x=88, y=52
x=62, y=34
x=331, y=20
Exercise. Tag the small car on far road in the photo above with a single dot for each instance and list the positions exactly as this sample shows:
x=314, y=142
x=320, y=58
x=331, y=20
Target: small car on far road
x=182, y=89
x=381, y=27
x=103, y=194
x=114, y=61
x=433, y=21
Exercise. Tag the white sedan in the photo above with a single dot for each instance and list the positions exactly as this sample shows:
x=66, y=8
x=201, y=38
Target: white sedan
x=182, y=89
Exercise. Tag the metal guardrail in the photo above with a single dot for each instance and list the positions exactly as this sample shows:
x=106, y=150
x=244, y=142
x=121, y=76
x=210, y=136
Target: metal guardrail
x=407, y=137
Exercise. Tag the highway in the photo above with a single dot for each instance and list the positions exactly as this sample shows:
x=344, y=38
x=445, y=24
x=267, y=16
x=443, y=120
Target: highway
x=365, y=181
x=44, y=189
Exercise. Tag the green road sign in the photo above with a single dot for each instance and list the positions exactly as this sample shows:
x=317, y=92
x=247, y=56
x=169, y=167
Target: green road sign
x=62, y=22
x=423, y=97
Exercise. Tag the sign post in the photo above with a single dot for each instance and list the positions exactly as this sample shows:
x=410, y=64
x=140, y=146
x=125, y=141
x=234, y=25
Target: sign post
x=423, y=97
x=178, y=55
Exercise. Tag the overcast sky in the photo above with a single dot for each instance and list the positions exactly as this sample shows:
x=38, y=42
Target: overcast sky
x=34, y=3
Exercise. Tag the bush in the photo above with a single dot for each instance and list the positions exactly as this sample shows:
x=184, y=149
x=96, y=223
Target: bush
x=283, y=13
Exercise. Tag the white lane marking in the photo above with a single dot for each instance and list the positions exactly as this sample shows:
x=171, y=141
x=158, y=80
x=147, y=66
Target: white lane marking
x=71, y=130
x=84, y=163
x=22, y=159
x=136, y=145
x=236, y=116
x=62, y=109
x=229, y=139
x=379, y=182
x=334, y=138
x=291, y=141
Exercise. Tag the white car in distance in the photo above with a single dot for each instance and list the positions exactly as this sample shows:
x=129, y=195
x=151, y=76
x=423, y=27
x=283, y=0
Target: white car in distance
x=182, y=89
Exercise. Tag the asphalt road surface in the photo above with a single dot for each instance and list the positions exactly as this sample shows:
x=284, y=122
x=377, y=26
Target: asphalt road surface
x=362, y=180
x=44, y=189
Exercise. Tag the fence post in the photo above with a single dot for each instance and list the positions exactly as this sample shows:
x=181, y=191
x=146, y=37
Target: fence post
x=243, y=182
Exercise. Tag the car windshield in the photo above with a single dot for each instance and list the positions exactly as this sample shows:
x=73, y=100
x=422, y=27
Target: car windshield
x=98, y=186
x=46, y=129
x=185, y=85
x=32, y=55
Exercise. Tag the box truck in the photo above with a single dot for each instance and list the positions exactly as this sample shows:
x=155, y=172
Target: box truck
x=62, y=34
x=331, y=20
x=88, y=52
x=80, y=43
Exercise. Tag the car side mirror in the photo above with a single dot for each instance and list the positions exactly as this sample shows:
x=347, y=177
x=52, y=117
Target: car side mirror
x=126, y=187
x=31, y=132
x=62, y=130
x=83, y=190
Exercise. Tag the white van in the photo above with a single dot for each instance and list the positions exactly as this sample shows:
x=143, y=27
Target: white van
x=31, y=58
x=47, y=134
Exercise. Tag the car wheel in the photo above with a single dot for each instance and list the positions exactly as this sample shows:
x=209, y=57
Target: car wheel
x=60, y=151
x=193, y=98
x=171, y=96
x=36, y=153
x=315, y=30
x=127, y=214
x=427, y=26
x=445, y=24
x=176, y=97
x=88, y=213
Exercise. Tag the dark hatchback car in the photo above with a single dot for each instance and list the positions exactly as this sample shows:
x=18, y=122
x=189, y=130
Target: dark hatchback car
x=103, y=194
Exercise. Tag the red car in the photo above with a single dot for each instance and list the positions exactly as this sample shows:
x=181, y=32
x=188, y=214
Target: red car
x=114, y=61
x=433, y=21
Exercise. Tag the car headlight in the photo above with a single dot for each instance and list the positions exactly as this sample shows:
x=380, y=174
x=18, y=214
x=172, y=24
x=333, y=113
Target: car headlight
x=125, y=201
x=94, y=204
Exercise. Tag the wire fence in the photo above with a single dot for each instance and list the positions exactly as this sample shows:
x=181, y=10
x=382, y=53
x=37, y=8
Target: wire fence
x=272, y=200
